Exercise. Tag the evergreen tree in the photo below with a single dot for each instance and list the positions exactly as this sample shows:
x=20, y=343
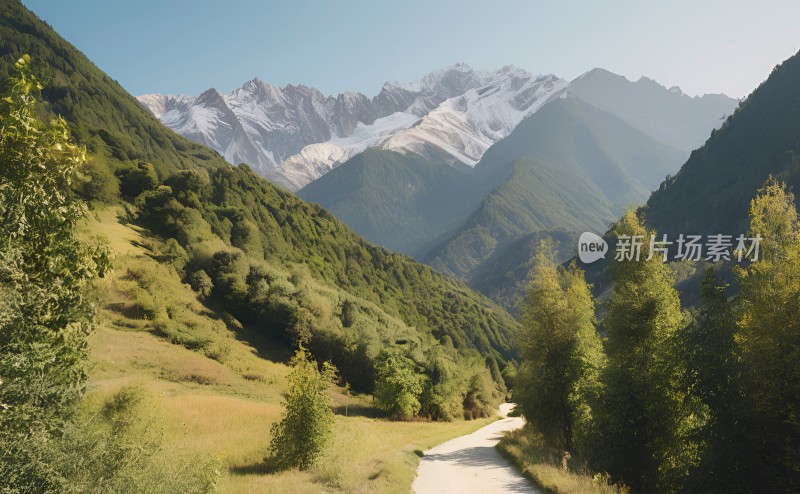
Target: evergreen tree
x=305, y=428
x=769, y=338
x=640, y=414
x=561, y=352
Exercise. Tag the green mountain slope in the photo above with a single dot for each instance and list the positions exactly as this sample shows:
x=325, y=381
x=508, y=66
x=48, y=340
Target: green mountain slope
x=402, y=201
x=712, y=192
x=504, y=275
x=259, y=256
x=573, y=167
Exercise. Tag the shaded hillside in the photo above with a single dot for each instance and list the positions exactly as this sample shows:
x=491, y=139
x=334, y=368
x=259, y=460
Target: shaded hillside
x=712, y=191
x=504, y=276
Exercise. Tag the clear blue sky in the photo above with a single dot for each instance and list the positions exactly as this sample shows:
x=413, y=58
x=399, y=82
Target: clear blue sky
x=173, y=46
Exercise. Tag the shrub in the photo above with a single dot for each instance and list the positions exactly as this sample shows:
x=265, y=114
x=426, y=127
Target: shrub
x=137, y=179
x=201, y=283
x=100, y=184
x=398, y=386
x=305, y=428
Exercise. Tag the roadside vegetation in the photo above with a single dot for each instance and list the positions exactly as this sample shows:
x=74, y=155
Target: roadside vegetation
x=700, y=400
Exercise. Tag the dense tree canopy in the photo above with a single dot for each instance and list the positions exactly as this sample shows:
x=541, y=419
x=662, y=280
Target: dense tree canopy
x=561, y=353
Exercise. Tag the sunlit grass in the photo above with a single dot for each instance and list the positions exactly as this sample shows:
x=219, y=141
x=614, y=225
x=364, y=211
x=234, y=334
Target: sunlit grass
x=223, y=407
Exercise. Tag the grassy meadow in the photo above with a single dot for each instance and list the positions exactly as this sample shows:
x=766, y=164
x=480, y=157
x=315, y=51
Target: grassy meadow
x=213, y=390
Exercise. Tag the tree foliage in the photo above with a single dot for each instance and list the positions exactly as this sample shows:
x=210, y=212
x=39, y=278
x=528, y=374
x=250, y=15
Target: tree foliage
x=300, y=437
x=711, y=375
x=45, y=314
x=561, y=353
x=398, y=385
x=640, y=415
x=769, y=338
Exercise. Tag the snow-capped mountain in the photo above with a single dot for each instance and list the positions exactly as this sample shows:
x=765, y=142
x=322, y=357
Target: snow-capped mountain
x=465, y=126
x=263, y=125
x=296, y=134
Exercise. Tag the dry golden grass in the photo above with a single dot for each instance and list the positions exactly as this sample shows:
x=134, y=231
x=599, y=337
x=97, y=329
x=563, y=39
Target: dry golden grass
x=224, y=407
x=526, y=450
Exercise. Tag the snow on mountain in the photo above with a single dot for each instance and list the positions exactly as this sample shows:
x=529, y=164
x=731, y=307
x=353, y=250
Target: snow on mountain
x=317, y=159
x=267, y=127
x=465, y=126
x=296, y=134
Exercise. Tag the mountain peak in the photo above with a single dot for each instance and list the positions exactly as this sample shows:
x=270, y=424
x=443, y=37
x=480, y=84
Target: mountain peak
x=676, y=90
x=647, y=81
x=458, y=109
x=254, y=84
x=514, y=71
x=210, y=97
x=460, y=67
x=598, y=73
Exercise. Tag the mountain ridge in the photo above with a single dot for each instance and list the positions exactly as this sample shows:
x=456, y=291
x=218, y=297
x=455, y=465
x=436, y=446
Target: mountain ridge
x=574, y=167
x=713, y=188
x=280, y=122
x=295, y=134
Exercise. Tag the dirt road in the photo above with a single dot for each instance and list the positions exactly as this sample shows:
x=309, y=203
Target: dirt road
x=471, y=464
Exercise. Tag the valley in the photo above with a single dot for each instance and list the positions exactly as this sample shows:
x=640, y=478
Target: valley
x=272, y=286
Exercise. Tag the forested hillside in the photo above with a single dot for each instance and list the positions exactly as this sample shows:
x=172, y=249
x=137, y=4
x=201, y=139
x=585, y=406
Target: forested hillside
x=711, y=193
x=228, y=223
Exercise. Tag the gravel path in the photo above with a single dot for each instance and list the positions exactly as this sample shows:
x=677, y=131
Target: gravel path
x=471, y=464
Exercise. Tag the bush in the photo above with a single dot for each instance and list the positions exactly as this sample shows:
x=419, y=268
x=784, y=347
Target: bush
x=398, y=386
x=137, y=179
x=482, y=396
x=201, y=283
x=100, y=184
x=305, y=428
x=112, y=450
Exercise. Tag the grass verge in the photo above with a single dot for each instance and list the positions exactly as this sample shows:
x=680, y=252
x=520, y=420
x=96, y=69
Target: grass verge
x=543, y=465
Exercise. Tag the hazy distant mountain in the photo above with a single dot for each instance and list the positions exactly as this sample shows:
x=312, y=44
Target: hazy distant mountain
x=294, y=135
x=570, y=166
x=464, y=126
x=406, y=202
x=668, y=115
x=567, y=167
